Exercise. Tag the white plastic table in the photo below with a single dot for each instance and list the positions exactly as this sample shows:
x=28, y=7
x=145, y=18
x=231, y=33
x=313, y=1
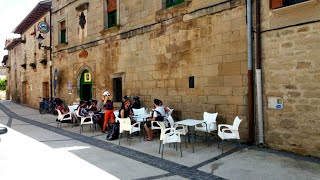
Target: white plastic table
x=190, y=123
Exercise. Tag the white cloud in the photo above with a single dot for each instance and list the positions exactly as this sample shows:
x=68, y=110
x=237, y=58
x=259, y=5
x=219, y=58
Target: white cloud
x=12, y=12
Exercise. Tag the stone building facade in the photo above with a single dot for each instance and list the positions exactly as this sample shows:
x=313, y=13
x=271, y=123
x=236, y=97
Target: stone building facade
x=291, y=71
x=192, y=54
x=28, y=73
x=157, y=52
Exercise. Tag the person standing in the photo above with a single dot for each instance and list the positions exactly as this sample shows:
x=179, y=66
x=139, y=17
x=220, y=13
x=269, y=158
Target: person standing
x=108, y=113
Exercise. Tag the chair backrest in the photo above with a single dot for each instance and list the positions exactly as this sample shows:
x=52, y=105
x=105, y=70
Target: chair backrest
x=72, y=108
x=116, y=114
x=60, y=117
x=125, y=124
x=140, y=111
x=236, y=123
x=171, y=121
x=210, y=117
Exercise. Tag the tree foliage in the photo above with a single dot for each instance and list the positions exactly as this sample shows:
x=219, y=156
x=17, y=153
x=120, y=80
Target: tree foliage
x=3, y=83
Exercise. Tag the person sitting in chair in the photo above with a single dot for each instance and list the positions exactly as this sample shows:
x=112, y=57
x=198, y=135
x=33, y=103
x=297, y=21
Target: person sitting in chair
x=136, y=102
x=158, y=115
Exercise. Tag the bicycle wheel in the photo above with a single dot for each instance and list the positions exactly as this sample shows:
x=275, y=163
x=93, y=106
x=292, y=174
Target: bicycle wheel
x=42, y=110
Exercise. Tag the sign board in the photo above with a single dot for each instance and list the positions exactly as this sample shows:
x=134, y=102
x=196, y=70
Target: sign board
x=43, y=27
x=275, y=103
x=69, y=87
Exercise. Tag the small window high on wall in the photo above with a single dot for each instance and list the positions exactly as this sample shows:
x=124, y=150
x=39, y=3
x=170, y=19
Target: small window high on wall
x=274, y=4
x=63, y=33
x=110, y=13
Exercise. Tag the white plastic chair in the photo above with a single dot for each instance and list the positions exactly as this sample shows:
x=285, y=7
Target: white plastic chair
x=183, y=130
x=169, y=112
x=154, y=125
x=125, y=125
x=139, y=112
x=84, y=120
x=209, y=124
x=63, y=117
x=167, y=136
x=226, y=131
x=116, y=114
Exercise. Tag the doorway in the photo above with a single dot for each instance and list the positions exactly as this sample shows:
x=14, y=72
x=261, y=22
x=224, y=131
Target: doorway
x=86, y=86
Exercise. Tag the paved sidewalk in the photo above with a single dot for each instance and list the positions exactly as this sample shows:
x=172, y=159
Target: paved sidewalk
x=142, y=161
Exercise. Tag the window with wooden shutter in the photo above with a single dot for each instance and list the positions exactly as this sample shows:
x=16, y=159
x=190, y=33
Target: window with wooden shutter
x=110, y=13
x=112, y=5
x=63, y=32
x=170, y=3
x=274, y=4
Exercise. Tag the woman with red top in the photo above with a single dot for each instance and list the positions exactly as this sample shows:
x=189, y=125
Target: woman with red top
x=108, y=113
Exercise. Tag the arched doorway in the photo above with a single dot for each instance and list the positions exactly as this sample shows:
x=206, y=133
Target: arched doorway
x=86, y=85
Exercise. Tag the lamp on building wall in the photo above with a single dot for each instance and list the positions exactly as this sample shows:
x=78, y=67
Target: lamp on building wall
x=40, y=40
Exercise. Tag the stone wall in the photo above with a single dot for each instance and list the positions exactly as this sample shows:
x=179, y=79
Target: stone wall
x=26, y=85
x=291, y=70
x=205, y=39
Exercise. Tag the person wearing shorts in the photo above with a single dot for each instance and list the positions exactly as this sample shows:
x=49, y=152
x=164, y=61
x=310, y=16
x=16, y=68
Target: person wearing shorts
x=158, y=115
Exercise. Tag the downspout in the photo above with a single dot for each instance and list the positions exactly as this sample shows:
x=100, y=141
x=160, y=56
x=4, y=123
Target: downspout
x=258, y=74
x=250, y=74
x=51, y=54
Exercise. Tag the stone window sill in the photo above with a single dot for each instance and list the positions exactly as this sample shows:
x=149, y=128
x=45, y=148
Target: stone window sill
x=62, y=45
x=173, y=11
x=110, y=30
x=295, y=7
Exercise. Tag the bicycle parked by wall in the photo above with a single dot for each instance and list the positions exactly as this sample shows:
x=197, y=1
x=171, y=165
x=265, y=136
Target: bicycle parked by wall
x=48, y=106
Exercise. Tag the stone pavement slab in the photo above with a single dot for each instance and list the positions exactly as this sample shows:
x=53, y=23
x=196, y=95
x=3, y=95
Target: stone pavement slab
x=141, y=160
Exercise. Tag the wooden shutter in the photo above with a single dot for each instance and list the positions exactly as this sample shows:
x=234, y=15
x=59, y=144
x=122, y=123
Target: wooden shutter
x=111, y=5
x=276, y=4
x=63, y=25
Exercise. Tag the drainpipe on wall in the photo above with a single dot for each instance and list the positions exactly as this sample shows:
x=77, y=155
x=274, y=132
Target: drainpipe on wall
x=258, y=74
x=250, y=74
x=51, y=54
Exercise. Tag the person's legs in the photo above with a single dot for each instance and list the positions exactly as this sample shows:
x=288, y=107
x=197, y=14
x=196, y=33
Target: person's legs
x=111, y=115
x=105, y=122
x=146, y=129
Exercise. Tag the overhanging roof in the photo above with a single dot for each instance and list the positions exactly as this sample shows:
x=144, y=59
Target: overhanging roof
x=37, y=12
x=13, y=43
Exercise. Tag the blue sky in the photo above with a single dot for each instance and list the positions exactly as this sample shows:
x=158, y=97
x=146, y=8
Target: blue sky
x=12, y=12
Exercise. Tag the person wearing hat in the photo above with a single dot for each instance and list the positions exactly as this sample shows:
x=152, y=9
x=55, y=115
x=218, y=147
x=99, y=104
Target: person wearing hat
x=136, y=102
x=108, y=113
x=125, y=98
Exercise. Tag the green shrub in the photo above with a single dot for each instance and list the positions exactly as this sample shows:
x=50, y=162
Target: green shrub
x=3, y=83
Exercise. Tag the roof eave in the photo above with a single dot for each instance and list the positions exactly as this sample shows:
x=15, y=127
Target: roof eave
x=37, y=12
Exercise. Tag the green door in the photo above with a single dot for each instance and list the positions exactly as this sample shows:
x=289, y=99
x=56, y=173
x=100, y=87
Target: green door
x=86, y=86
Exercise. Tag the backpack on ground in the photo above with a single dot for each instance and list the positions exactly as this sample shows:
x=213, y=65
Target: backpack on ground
x=114, y=133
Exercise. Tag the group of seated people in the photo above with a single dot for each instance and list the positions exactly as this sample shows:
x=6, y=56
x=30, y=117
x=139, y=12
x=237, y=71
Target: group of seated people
x=93, y=108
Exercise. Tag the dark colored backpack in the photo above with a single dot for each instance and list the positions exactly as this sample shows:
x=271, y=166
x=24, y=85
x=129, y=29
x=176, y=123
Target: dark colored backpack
x=114, y=133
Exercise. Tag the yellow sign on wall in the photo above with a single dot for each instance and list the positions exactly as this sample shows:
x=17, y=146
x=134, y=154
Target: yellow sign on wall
x=87, y=77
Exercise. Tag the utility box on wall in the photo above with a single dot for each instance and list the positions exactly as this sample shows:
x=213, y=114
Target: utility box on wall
x=275, y=103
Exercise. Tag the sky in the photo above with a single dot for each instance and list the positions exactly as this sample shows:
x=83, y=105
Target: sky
x=12, y=12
